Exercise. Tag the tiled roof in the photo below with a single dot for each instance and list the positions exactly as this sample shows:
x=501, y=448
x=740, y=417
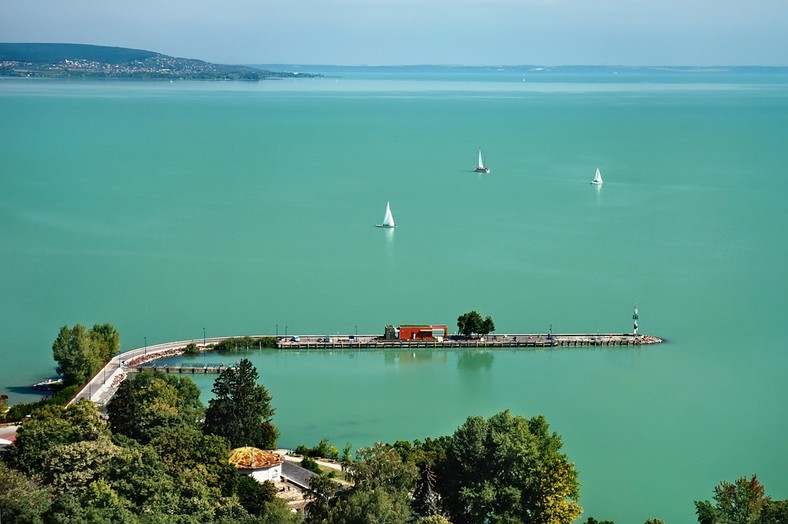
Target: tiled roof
x=253, y=458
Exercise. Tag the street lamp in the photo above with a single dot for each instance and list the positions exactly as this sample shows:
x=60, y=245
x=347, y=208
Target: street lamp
x=277, y=330
x=145, y=352
x=356, y=330
x=203, y=336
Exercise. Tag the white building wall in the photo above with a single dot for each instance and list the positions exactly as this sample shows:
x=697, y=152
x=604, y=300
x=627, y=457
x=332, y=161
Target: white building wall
x=273, y=473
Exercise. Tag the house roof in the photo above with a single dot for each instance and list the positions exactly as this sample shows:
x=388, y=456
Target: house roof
x=254, y=458
x=297, y=475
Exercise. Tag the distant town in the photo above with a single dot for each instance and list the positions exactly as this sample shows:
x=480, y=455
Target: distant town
x=102, y=62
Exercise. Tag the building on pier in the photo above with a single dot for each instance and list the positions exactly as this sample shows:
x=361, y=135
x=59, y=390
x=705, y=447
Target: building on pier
x=425, y=332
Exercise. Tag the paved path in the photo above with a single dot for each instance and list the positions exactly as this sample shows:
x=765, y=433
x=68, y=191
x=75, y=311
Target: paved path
x=105, y=383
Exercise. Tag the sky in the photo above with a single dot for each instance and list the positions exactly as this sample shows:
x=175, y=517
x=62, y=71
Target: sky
x=407, y=32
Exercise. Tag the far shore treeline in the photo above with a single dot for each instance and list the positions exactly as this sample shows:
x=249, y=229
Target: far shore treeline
x=160, y=456
x=54, y=60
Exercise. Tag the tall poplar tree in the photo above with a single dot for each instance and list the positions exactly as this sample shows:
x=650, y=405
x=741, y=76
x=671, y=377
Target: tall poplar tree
x=241, y=409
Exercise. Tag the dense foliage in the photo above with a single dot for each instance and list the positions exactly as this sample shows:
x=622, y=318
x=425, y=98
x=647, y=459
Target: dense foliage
x=152, y=403
x=80, y=353
x=241, y=409
x=151, y=462
x=244, y=343
x=472, y=322
x=743, y=501
x=502, y=469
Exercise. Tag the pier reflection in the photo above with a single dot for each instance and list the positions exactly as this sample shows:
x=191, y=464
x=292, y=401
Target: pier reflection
x=475, y=360
x=414, y=357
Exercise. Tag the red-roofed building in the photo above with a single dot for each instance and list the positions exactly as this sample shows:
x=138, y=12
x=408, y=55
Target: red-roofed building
x=417, y=332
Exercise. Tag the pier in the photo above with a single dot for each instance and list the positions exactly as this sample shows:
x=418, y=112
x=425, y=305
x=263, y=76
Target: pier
x=104, y=383
x=207, y=369
x=525, y=340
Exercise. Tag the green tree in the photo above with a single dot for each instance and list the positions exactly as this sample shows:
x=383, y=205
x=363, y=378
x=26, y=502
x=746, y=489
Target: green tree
x=80, y=353
x=377, y=505
x=740, y=502
x=381, y=491
x=775, y=512
x=381, y=466
x=253, y=495
x=186, y=449
x=469, y=323
x=433, y=519
x=472, y=322
x=52, y=426
x=508, y=469
x=488, y=326
x=241, y=409
x=321, y=493
x=22, y=500
x=152, y=403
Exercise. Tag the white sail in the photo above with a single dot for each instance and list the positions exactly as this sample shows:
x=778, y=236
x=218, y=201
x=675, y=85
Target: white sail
x=480, y=167
x=388, y=219
x=597, y=178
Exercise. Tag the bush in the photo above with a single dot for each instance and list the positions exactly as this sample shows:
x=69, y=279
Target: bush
x=311, y=465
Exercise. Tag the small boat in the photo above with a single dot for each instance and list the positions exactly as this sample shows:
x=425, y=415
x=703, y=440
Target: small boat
x=480, y=168
x=597, y=178
x=388, y=219
x=50, y=384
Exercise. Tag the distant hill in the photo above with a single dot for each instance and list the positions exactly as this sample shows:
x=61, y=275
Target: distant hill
x=92, y=61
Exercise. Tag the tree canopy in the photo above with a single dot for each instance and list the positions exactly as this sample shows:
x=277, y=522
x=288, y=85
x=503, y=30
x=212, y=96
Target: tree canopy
x=241, y=409
x=743, y=501
x=508, y=469
x=80, y=353
x=153, y=402
x=472, y=322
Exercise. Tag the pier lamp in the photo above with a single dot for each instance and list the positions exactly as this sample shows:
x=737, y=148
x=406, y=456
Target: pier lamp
x=550, y=332
x=356, y=330
x=203, y=336
x=285, y=330
x=145, y=351
x=277, y=330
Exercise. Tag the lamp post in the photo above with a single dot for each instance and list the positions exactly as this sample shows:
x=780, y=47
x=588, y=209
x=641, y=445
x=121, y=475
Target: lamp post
x=145, y=351
x=203, y=336
x=550, y=333
x=356, y=330
x=277, y=331
x=285, y=330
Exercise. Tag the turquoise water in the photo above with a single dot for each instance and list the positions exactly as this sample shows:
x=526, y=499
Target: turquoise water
x=246, y=208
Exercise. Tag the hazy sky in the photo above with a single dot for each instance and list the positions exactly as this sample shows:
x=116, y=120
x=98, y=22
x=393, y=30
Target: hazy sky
x=467, y=32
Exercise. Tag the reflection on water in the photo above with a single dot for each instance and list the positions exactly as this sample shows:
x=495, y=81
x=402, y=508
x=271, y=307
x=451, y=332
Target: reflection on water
x=414, y=357
x=475, y=360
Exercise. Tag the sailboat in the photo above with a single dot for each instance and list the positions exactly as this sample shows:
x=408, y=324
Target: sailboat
x=597, y=178
x=388, y=220
x=480, y=168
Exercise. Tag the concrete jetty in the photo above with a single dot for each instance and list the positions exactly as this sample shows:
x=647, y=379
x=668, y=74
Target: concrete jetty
x=104, y=383
x=523, y=340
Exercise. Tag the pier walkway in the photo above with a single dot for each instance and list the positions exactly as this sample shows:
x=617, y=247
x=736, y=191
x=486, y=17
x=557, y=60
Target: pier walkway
x=490, y=341
x=105, y=383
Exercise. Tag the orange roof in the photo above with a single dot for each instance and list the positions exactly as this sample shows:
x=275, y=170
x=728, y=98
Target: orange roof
x=253, y=458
